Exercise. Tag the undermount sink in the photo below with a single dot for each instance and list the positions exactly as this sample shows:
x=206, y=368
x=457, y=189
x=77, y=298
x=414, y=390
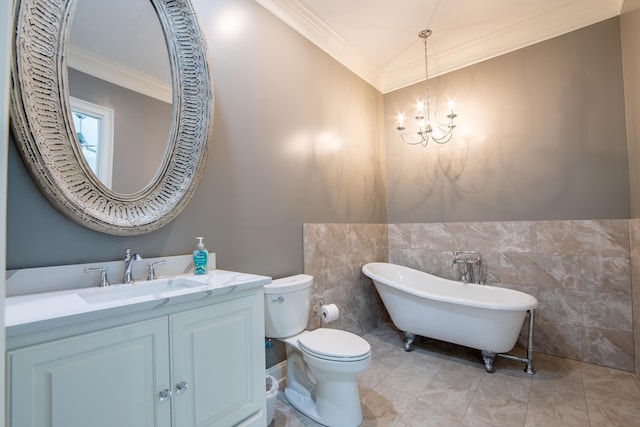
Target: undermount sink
x=138, y=289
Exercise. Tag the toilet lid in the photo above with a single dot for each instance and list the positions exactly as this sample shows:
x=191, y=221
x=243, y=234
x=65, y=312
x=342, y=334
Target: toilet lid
x=333, y=344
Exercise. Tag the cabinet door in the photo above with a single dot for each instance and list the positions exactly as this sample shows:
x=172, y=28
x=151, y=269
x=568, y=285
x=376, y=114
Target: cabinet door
x=107, y=378
x=218, y=351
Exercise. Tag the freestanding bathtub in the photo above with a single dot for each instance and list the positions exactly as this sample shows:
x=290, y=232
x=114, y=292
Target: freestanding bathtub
x=483, y=317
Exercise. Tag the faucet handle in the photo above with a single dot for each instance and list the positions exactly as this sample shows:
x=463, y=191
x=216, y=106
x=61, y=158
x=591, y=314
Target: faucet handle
x=151, y=275
x=456, y=258
x=104, y=281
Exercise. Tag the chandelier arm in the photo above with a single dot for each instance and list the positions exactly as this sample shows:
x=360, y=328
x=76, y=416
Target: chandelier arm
x=413, y=141
x=445, y=127
x=445, y=138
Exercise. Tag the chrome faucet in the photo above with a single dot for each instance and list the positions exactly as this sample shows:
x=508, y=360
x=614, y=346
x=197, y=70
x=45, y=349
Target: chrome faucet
x=129, y=260
x=461, y=257
x=470, y=261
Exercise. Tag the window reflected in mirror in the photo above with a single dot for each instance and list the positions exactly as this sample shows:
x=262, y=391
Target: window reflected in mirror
x=93, y=124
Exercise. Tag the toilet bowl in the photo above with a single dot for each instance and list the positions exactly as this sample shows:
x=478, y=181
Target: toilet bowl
x=323, y=365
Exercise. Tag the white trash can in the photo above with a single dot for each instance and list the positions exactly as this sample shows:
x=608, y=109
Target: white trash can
x=272, y=395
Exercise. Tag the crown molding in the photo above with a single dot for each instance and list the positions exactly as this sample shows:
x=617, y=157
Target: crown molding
x=305, y=22
x=112, y=72
x=562, y=19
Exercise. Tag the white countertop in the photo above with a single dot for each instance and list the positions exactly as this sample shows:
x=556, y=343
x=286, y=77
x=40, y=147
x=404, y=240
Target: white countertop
x=34, y=312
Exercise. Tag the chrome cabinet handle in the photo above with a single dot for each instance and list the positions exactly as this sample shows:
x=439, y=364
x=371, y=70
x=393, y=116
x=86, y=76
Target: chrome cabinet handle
x=182, y=387
x=164, y=395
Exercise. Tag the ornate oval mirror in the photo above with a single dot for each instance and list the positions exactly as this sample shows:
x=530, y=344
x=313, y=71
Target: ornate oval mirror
x=42, y=120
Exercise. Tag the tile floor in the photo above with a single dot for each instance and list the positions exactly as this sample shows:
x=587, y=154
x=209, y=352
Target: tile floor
x=439, y=384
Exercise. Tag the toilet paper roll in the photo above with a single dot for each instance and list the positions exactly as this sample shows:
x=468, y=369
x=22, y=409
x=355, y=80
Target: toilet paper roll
x=330, y=313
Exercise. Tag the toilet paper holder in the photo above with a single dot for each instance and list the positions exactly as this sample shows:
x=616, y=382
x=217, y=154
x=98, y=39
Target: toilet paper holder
x=328, y=313
x=317, y=309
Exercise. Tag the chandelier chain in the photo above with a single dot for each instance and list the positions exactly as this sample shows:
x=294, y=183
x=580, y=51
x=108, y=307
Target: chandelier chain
x=426, y=63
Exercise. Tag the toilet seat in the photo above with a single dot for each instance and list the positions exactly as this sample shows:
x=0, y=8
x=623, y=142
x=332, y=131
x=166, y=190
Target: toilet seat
x=335, y=345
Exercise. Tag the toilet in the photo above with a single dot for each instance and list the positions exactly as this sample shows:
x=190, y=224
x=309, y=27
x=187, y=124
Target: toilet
x=323, y=365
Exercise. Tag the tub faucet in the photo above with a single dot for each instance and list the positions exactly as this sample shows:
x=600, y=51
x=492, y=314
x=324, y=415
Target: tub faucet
x=460, y=258
x=129, y=260
x=470, y=261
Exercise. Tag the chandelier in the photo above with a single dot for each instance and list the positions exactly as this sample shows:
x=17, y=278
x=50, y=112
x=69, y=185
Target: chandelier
x=427, y=127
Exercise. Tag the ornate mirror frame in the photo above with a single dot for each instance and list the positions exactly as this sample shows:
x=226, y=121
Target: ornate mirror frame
x=43, y=130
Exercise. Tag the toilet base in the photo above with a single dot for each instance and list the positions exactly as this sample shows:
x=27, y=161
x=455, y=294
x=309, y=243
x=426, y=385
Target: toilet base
x=302, y=403
x=337, y=416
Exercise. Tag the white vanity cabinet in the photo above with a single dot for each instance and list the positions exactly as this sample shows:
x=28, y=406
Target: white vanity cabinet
x=196, y=364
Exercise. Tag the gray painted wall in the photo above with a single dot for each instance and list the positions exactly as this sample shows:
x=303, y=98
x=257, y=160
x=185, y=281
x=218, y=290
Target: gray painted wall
x=297, y=138
x=541, y=136
x=630, y=36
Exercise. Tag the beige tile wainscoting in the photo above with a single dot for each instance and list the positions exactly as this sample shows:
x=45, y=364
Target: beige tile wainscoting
x=580, y=271
x=334, y=255
x=634, y=239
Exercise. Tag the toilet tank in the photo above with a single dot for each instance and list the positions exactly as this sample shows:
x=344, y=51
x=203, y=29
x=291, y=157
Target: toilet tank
x=286, y=305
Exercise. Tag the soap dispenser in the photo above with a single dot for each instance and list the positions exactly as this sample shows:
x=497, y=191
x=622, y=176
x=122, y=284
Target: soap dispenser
x=200, y=258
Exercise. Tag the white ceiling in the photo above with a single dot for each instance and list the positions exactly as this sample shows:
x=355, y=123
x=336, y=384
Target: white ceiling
x=378, y=39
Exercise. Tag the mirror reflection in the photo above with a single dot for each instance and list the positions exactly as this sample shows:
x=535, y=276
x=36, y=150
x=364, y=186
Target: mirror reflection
x=94, y=129
x=120, y=90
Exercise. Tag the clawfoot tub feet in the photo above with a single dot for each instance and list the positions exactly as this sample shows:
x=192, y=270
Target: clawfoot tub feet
x=529, y=369
x=408, y=340
x=488, y=357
